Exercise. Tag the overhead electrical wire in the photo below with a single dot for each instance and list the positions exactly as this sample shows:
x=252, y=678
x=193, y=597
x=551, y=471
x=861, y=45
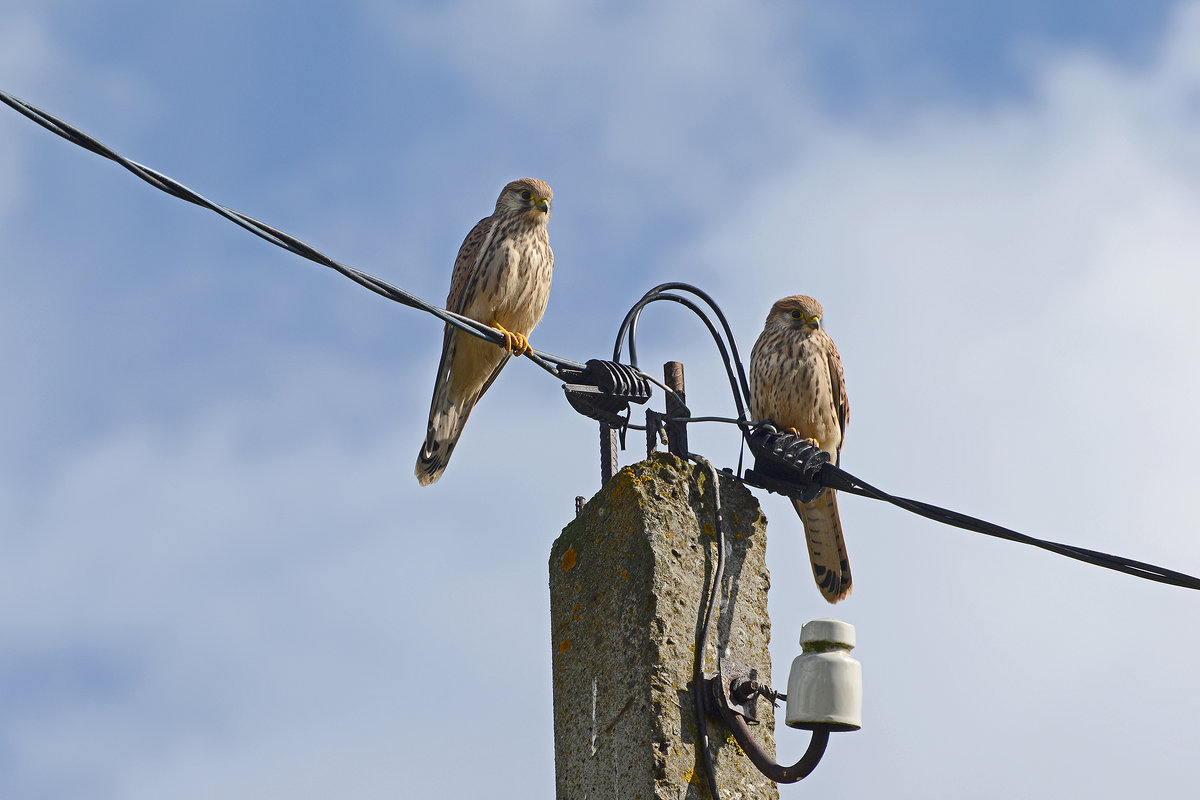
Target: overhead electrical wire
x=546, y=361
x=829, y=475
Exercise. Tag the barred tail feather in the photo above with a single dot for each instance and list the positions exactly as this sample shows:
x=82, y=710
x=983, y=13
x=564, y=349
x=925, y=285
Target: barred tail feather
x=468, y=368
x=826, y=545
x=445, y=426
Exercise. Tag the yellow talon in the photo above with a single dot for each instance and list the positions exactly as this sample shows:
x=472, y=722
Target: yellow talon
x=516, y=343
x=808, y=439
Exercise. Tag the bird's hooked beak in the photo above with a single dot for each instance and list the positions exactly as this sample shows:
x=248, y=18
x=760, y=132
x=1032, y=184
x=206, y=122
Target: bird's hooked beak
x=813, y=322
x=542, y=204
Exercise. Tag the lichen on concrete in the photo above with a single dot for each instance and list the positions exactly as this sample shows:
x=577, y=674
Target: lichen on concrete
x=627, y=578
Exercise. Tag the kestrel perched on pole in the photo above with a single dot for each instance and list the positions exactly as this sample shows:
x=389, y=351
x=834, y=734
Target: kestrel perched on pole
x=796, y=381
x=501, y=278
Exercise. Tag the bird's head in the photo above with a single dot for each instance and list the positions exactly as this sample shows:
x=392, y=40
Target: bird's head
x=796, y=313
x=527, y=196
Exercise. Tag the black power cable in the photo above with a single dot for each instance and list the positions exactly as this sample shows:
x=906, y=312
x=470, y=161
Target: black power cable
x=729, y=355
x=546, y=361
x=837, y=478
x=707, y=609
x=829, y=476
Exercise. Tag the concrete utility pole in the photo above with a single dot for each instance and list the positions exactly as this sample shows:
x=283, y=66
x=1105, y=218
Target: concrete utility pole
x=627, y=579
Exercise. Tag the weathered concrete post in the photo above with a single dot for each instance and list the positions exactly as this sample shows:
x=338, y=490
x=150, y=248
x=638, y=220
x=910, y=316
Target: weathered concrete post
x=627, y=579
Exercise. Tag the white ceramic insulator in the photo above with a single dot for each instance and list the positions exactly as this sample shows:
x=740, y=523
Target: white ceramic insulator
x=825, y=686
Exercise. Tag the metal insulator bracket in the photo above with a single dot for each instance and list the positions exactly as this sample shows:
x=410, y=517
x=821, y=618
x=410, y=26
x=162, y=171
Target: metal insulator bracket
x=733, y=692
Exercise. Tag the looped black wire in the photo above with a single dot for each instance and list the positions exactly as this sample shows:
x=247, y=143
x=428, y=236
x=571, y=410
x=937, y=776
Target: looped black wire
x=707, y=609
x=730, y=357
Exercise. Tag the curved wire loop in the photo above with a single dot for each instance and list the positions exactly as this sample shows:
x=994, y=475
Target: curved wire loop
x=732, y=360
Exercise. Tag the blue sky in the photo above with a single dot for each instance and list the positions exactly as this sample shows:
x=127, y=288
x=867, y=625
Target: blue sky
x=218, y=577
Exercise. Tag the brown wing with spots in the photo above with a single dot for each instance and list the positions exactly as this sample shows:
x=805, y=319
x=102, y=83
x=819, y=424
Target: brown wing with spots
x=464, y=265
x=841, y=402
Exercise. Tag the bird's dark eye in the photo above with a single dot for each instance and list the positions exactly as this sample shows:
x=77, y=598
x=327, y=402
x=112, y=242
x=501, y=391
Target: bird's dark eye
x=525, y=195
x=797, y=315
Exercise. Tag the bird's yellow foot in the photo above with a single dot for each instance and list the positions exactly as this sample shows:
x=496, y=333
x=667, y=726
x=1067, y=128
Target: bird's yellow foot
x=811, y=441
x=516, y=343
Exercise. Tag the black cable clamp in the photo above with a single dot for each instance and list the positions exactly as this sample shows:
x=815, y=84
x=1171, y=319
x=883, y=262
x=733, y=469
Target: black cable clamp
x=605, y=389
x=785, y=464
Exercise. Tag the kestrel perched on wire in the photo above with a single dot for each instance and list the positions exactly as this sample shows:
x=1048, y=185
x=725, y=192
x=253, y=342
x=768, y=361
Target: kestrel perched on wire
x=502, y=279
x=796, y=381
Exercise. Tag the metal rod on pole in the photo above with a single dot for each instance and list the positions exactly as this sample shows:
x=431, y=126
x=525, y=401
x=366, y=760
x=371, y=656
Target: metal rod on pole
x=677, y=442
x=608, y=453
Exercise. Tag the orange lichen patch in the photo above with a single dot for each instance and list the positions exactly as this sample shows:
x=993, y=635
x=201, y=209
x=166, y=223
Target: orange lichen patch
x=564, y=645
x=625, y=574
x=708, y=529
x=569, y=559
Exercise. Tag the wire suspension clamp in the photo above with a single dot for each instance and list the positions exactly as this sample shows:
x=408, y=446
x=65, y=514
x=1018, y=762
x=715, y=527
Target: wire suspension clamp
x=604, y=390
x=785, y=464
